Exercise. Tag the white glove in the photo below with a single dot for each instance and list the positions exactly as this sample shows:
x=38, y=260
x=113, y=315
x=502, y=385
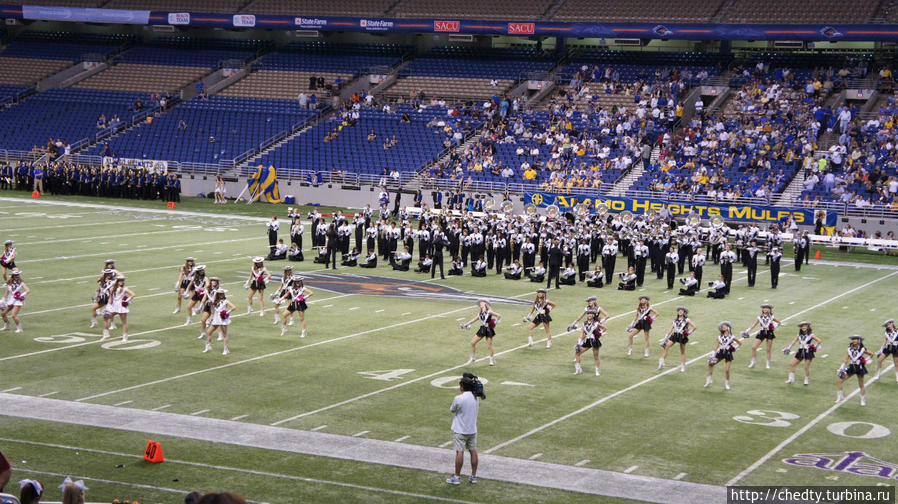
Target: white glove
x=464, y=327
x=787, y=350
x=246, y=284
x=745, y=334
x=526, y=319
x=497, y=321
x=572, y=327
x=185, y=295
x=629, y=327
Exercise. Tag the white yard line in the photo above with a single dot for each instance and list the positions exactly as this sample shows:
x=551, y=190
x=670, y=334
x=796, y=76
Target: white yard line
x=239, y=417
x=48, y=394
x=230, y=469
x=630, y=469
x=320, y=427
x=11, y=389
x=655, y=377
x=767, y=456
x=129, y=250
x=680, y=476
x=582, y=463
x=360, y=434
x=200, y=412
x=123, y=403
x=160, y=408
x=536, y=456
x=91, y=238
x=401, y=439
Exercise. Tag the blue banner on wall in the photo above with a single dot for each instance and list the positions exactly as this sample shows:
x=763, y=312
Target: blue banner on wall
x=737, y=212
x=303, y=21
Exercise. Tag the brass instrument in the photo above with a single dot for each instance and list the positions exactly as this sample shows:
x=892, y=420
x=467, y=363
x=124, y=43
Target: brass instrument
x=717, y=222
x=693, y=219
x=530, y=209
x=626, y=217
x=552, y=211
x=581, y=210
x=489, y=205
x=602, y=209
x=507, y=206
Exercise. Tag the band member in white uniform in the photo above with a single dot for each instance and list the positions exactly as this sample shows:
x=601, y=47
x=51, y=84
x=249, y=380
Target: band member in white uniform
x=120, y=298
x=768, y=324
x=16, y=291
x=221, y=319
x=808, y=345
x=206, y=303
x=723, y=351
x=257, y=281
x=185, y=275
x=590, y=337
x=539, y=314
x=889, y=347
x=101, y=297
x=679, y=332
x=856, y=358
x=592, y=304
x=8, y=258
x=642, y=321
x=286, y=281
x=199, y=284
x=296, y=294
x=488, y=320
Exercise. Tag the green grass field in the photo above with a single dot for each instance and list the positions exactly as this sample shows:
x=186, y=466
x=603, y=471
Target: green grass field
x=385, y=367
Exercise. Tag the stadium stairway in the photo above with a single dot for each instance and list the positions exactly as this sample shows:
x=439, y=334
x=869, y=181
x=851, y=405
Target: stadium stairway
x=253, y=160
x=621, y=187
x=792, y=192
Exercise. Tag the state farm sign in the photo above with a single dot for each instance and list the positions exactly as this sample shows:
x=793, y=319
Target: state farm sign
x=521, y=28
x=446, y=26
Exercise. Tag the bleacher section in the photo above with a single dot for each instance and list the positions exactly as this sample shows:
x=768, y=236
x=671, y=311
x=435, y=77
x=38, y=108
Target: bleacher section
x=801, y=66
x=639, y=11
x=70, y=114
x=64, y=45
x=351, y=151
x=321, y=7
x=27, y=71
x=224, y=6
x=467, y=72
x=799, y=11
x=220, y=128
x=8, y=92
x=496, y=9
x=144, y=78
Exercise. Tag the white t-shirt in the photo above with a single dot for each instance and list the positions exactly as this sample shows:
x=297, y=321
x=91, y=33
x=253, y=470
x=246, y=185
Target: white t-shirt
x=465, y=408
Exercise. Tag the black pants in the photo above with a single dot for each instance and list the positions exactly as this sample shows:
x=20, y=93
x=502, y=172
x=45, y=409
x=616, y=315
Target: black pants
x=726, y=269
x=688, y=292
x=272, y=240
x=698, y=274
x=799, y=258
x=717, y=294
x=331, y=257
x=640, y=270
x=671, y=272
x=437, y=261
x=554, y=271
x=774, y=274
x=609, y=261
x=583, y=265
x=752, y=270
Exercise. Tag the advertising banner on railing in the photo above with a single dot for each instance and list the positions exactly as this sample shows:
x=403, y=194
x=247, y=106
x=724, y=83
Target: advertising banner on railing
x=730, y=212
x=303, y=21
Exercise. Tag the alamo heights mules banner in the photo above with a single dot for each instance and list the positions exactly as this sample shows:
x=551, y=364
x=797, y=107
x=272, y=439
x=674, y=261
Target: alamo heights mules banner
x=735, y=212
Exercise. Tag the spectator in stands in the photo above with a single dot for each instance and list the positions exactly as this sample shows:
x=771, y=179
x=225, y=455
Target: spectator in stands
x=303, y=100
x=182, y=125
x=313, y=101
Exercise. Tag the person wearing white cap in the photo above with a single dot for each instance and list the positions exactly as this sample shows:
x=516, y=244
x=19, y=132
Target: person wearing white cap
x=642, y=321
x=808, y=345
x=16, y=290
x=541, y=307
x=199, y=284
x=221, y=319
x=723, y=351
x=889, y=347
x=768, y=324
x=101, y=298
x=679, y=332
x=286, y=281
x=8, y=257
x=257, y=281
x=592, y=303
x=590, y=337
x=855, y=363
x=120, y=298
x=296, y=293
x=488, y=321
x=205, y=306
x=185, y=275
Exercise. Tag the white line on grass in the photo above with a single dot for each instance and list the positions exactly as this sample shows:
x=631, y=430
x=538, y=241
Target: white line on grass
x=582, y=463
x=440, y=372
x=88, y=224
x=91, y=238
x=239, y=417
x=378, y=311
x=200, y=412
x=160, y=408
x=123, y=403
x=11, y=389
x=767, y=456
x=535, y=456
x=680, y=476
x=447, y=443
x=133, y=250
x=48, y=394
x=316, y=429
x=156, y=268
x=401, y=439
x=360, y=434
x=243, y=471
x=655, y=377
x=630, y=469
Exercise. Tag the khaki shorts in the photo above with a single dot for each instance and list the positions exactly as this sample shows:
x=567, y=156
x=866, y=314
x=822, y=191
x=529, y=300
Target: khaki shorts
x=464, y=441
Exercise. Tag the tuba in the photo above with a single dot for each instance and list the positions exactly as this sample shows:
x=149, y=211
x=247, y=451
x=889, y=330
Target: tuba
x=626, y=217
x=552, y=211
x=581, y=210
x=602, y=209
x=693, y=219
x=507, y=206
x=489, y=205
x=530, y=209
x=717, y=222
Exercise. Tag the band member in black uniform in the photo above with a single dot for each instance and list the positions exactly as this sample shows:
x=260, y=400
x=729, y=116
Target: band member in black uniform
x=514, y=271
x=723, y=351
x=768, y=324
x=539, y=314
x=889, y=347
x=627, y=280
x=370, y=260
x=798, y=246
x=590, y=338
x=583, y=259
x=727, y=258
x=439, y=242
x=296, y=232
x=333, y=244
x=640, y=251
x=856, y=358
x=273, y=226
x=808, y=344
x=258, y=279
x=555, y=258
x=679, y=332
x=528, y=251
x=642, y=321
x=537, y=273
x=596, y=278
x=690, y=285
x=670, y=263
x=609, y=257
x=751, y=261
x=774, y=257
x=488, y=320
x=718, y=289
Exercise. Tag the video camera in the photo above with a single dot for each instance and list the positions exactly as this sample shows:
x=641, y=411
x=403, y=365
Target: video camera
x=477, y=385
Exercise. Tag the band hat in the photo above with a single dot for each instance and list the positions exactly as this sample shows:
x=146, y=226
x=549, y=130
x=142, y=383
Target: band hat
x=592, y=312
x=887, y=322
x=120, y=277
x=725, y=323
x=646, y=297
x=110, y=261
x=685, y=310
x=108, y=271
x=855, y=337
x=223, y=292
x=297, y=278
x=201, y=267
x=540, y=290
x=8, y=242
x=214, y=279
x=16, y=272
x=592, y=298
x=770, y=306
x=190, y=259
x=258, y=259
x=804, y=322
x=483, y=300
x=288, y=267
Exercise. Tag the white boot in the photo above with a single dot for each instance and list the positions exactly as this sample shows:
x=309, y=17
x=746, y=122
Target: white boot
x=208, y=348
x=202, y=335
x=189, y=320
x=598, y=372
x=283, y=330
x=492, y=361
x=752, y=363
x=261, y=313
x=726, y=384
x=225, y=351
x=840, y=396
x=791, y=378
x=768, y=364
x=105, y=334
x=125, y=338
x=708, y=381
x=220, y=337
x=578, y=369
x=18, y=328
x=646, y=353
x=529, y=340
x=549, y=344
x=302, y=334
x=277, y=319
x=660, y=362
x=629, y=349
x=682, y=368
x=93, y=322
x=176, y=310
x=249, y=309
x=807, y=380
x=112, y=325
x=5, y=326
x=291, y=321
x=471, y=360
x=863, y=400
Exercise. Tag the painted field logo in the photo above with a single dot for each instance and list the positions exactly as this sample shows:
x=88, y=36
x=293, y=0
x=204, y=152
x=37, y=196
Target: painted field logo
x=855, y=462
x=446, y=26
x=369, y=285
x=521, y=28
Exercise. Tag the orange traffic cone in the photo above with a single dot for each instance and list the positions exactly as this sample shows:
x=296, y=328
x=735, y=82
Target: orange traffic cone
x=817, y=255
x=35, y=194
x=153, y=453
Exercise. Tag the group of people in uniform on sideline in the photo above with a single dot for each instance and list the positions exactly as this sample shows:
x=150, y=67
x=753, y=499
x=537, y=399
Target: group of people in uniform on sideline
x=107, y=181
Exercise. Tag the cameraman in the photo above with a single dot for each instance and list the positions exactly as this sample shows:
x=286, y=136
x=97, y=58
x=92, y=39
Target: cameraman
x=464, y=428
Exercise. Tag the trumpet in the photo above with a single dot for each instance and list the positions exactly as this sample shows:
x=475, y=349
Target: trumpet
x=626, y=216
x=552, y=211
x=717, y=222
x=530, y=209
x=693, y=219
x=507, y=206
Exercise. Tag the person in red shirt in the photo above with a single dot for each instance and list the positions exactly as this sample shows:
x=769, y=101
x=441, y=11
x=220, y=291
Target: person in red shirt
x=5, y=471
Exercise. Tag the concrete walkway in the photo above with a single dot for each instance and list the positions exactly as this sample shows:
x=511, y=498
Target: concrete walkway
x=525, y=472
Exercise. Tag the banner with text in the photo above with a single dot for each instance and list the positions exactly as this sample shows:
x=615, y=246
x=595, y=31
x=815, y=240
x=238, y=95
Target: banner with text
x=730, y=212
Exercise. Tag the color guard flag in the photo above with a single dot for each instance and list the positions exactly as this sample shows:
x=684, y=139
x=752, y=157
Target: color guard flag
x=264, y=183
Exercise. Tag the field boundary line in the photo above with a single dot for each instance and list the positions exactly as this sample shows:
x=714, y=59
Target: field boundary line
x=655, y=377
x=132, y=250
x=185, y=213
x=367, y=450
x=437, y=373
x=786, y=442
x=143, y=233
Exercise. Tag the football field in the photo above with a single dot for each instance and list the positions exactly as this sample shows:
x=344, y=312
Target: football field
x=370, y=386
